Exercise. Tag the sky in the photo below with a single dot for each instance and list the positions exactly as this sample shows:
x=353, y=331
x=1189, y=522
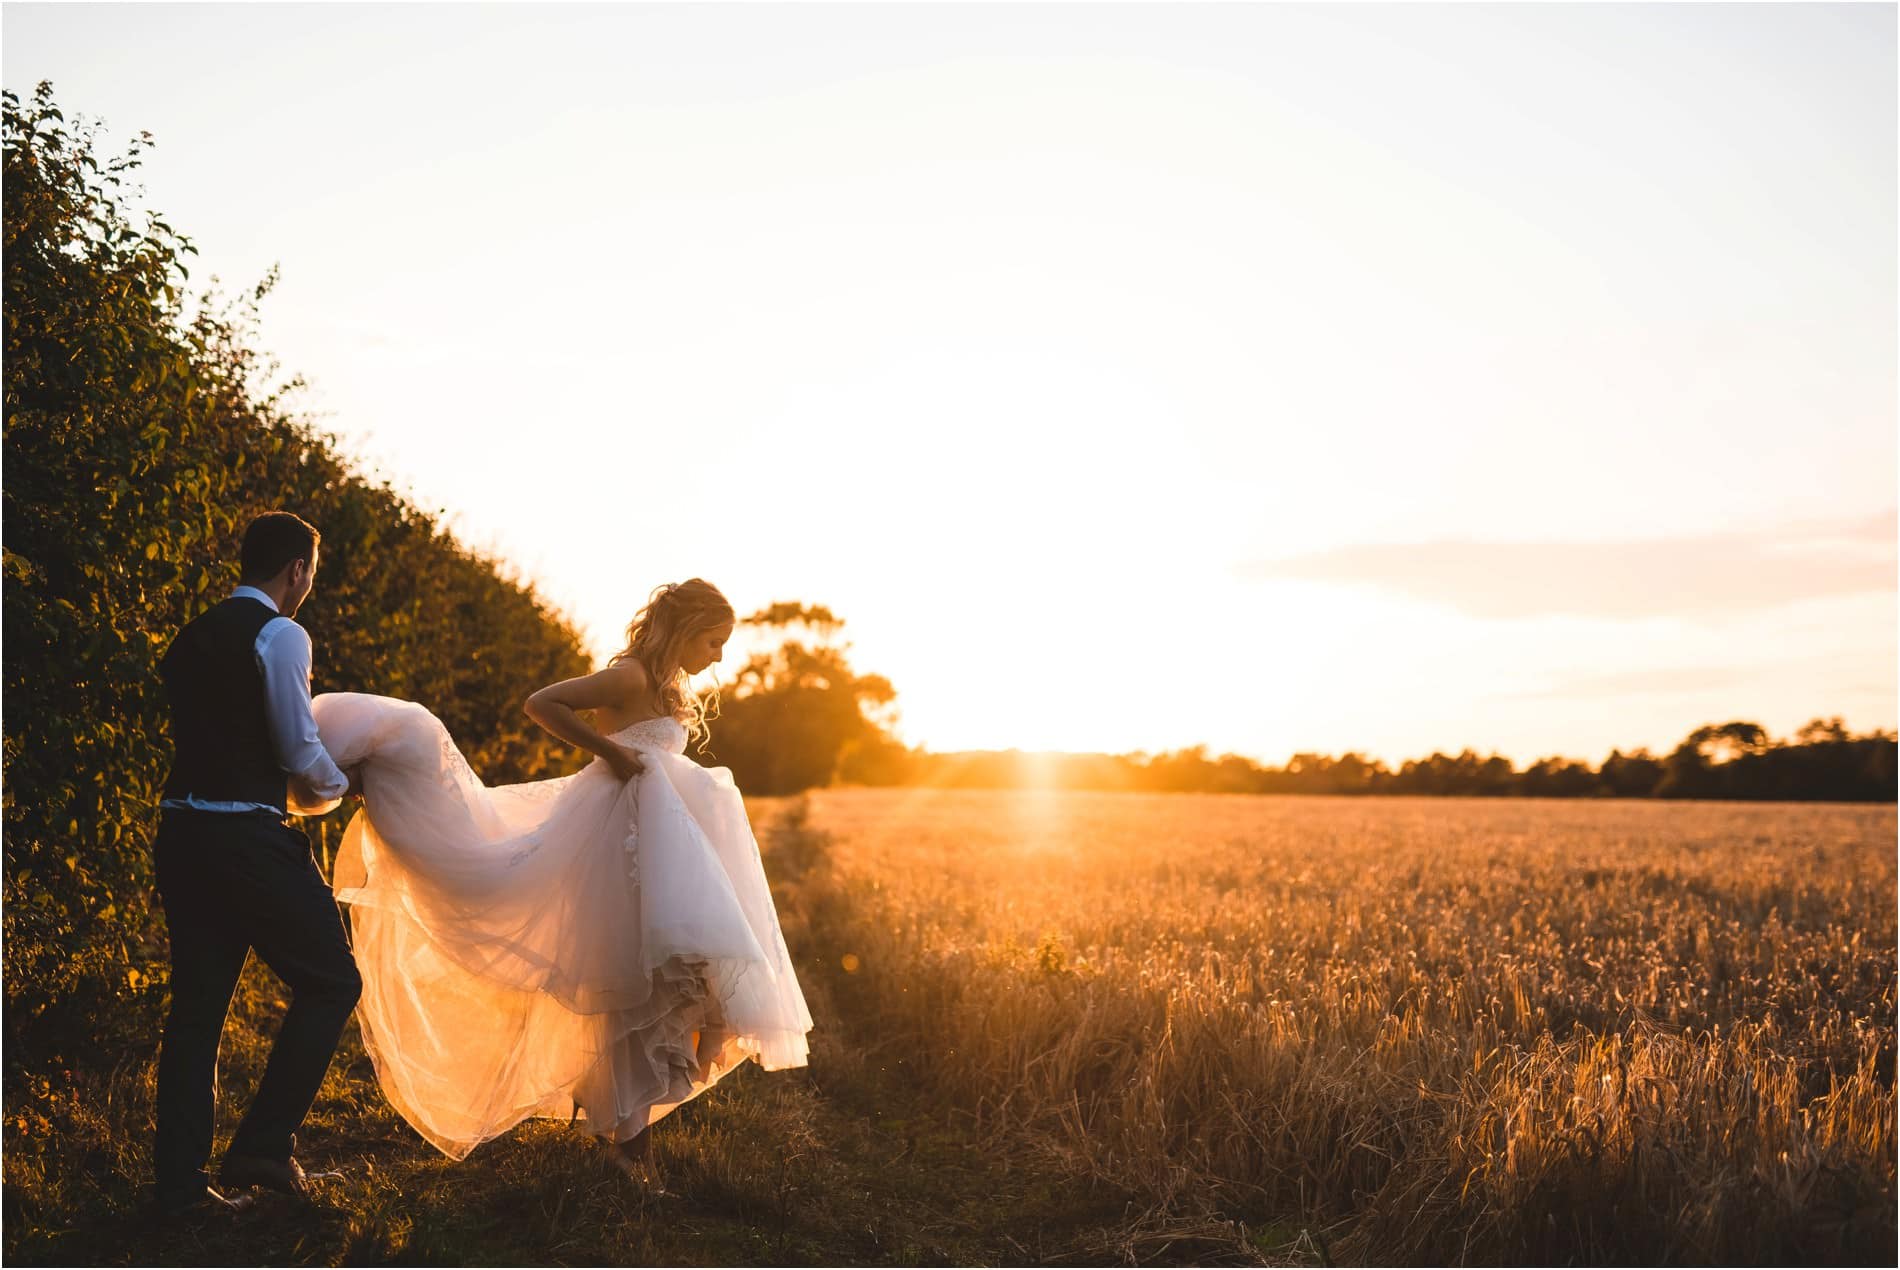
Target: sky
x=1278, y=378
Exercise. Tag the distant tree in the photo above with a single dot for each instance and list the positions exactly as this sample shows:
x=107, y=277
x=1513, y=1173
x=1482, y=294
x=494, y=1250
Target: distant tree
x=1352, y=774
x=1724, y=743
x=1709, y=763
x=1467, y=773
x=1632, y=775
x=1178, y=770
x=878, y=759
x=793, y=714
x=1558, y=778
x=1822, y=732
x=1236, y=774
x=1876, y=768
x=1309, y=773
x=1825, y=761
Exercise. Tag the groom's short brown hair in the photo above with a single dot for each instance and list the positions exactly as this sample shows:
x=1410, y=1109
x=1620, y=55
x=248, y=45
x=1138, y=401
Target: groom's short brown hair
x=272, y=541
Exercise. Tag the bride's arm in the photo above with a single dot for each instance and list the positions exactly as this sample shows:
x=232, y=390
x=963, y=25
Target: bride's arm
x=554, y=707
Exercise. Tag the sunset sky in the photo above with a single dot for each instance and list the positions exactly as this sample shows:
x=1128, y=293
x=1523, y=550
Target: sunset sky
x=1278, y=377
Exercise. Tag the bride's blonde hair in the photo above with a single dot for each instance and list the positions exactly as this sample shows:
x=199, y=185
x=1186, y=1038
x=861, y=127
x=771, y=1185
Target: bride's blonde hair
x=674, y=613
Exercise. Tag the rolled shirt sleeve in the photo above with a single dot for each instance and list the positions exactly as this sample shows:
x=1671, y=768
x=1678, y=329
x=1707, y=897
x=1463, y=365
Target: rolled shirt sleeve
x=283, y=655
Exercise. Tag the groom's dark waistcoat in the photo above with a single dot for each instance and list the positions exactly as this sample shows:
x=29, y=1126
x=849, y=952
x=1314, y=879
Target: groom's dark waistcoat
x=220, y=727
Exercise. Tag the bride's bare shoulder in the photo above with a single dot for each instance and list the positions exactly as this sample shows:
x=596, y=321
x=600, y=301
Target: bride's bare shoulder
x=619, y=686
x=626, y=694
x=629, y=676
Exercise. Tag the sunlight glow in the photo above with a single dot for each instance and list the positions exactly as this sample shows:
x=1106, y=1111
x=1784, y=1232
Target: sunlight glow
x=1129, y=376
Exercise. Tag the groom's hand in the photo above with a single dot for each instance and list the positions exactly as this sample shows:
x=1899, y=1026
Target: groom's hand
x=356, y=781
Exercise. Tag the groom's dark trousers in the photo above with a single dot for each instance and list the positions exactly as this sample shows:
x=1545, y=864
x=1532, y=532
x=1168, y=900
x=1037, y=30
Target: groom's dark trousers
x=231, y=882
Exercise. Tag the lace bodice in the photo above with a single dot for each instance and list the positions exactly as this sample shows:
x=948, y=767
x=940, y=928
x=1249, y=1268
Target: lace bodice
x=660, y=733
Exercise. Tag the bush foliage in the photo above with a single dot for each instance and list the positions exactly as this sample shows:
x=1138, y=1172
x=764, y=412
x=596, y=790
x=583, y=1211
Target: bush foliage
x=797, y=715
x=137, y=448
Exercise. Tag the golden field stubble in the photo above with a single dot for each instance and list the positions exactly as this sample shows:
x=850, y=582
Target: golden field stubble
x=1444, y=1028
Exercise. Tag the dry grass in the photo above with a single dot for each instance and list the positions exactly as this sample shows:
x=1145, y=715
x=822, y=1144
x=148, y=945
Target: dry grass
x=836, y=1164
x=1170, y=1029
x=1422, y=1030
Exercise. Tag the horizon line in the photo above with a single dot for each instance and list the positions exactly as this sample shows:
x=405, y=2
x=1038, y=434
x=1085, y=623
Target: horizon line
x=1876, y=733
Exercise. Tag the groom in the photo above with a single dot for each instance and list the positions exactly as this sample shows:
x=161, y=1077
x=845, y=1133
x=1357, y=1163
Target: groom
x=233, y=875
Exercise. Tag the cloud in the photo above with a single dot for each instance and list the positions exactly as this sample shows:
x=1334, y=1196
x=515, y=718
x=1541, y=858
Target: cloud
x=1669, y=681
x=1685, y=576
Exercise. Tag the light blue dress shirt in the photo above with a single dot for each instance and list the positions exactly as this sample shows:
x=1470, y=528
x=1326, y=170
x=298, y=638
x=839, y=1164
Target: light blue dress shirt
x=283, y=658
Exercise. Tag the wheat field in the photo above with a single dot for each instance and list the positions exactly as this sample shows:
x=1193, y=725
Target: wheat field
x=1099, y=1028
x=1399, y=1029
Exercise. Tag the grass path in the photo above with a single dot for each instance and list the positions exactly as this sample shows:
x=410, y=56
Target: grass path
x=845, y=1162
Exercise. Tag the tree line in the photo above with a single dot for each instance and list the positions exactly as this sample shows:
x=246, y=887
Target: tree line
x=800, y=716
x=1823, y=761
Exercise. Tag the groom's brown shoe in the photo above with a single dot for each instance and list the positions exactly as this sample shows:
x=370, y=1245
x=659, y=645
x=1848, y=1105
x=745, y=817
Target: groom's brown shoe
x=284, y=1175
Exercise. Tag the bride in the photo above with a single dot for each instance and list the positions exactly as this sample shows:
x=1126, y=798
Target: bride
x=601, y=946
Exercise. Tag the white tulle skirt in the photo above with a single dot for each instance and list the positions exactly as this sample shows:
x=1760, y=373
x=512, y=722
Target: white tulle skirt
x=577, y=947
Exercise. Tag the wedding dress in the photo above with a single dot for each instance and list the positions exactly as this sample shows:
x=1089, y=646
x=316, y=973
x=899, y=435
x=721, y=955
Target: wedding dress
x=577, y=947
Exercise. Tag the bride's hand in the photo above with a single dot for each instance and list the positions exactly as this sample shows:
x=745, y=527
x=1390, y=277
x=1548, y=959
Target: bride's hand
x=626, y=763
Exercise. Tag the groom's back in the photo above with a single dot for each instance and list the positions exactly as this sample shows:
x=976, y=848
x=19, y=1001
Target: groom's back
x=220, y=729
